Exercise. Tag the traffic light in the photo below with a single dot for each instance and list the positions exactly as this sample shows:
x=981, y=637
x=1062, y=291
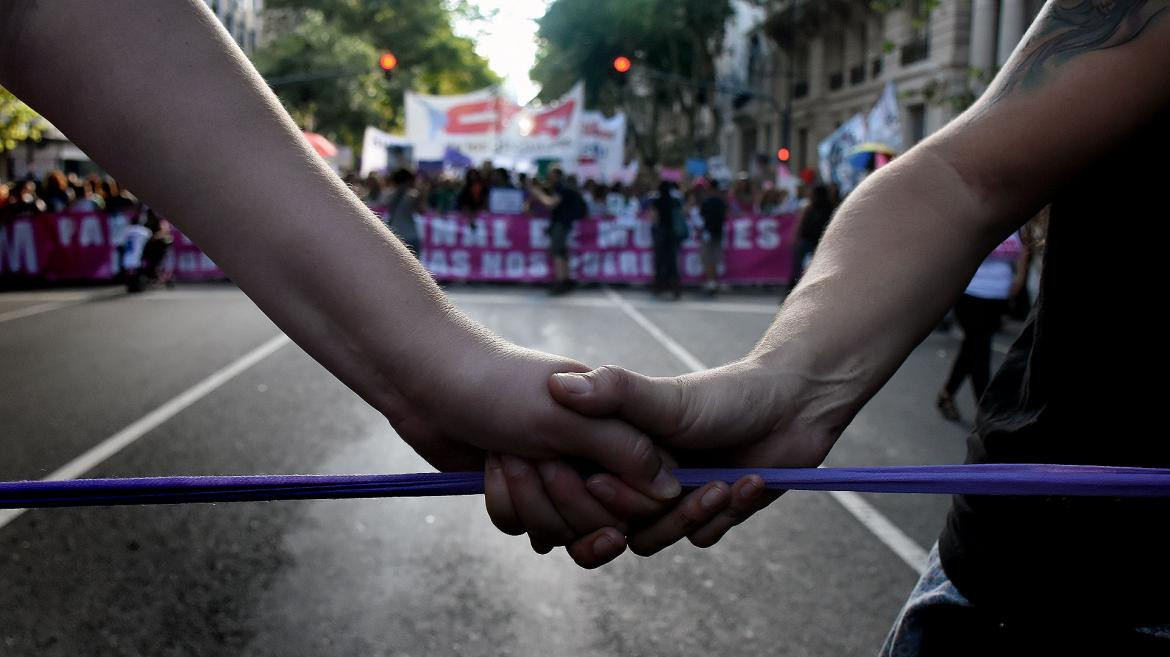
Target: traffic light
x=621, y=69
x=388, y=62
x=783, y=155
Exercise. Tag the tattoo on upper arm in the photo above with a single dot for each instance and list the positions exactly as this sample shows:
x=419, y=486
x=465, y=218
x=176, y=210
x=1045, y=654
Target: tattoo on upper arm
x=1066, y=29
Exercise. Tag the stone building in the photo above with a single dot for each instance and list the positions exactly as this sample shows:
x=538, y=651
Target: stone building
x=825, y=60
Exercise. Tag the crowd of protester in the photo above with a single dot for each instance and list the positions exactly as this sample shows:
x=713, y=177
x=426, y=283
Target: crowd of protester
x=141, y=241
x=676, y=211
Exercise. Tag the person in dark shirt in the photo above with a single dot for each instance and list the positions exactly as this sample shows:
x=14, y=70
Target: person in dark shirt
x=713, y=210
x=666, y=216
x=813, y=222
x=567, y=207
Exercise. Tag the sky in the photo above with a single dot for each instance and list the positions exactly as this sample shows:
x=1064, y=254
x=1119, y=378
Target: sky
x=508, y=40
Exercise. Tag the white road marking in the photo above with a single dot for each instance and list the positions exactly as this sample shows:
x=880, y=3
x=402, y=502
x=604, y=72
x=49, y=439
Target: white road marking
x=879, y=525
x=143, y=425
x=52, y=301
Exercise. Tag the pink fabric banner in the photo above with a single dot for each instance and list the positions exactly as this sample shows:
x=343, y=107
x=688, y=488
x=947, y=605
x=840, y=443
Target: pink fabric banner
x=83, y=246
x=756, y=249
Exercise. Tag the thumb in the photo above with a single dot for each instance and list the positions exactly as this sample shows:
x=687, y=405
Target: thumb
x=657, y=406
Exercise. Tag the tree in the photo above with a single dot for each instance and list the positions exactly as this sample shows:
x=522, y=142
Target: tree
x=18, y=122
x=348, y=35
x=674, y=44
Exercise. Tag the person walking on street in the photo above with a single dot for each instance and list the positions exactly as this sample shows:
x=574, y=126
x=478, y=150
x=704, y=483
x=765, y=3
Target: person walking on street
x=669, y=229
x=813, y=222
x=979, y=311
x=402, y=203
x=713, y=210
x=568, y=206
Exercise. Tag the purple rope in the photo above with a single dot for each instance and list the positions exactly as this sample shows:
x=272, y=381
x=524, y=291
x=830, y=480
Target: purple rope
x=981, y=479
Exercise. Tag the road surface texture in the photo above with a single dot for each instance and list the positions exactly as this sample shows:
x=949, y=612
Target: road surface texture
x=815, y=574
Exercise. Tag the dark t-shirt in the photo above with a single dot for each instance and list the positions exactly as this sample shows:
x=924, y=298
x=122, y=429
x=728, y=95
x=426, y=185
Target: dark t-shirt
x=1082, y=385
x=815, y=221
x=713, y=209
x=571, y=206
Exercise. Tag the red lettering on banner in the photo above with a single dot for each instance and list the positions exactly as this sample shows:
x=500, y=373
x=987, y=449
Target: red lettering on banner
x=472, y=118
x=554, y=121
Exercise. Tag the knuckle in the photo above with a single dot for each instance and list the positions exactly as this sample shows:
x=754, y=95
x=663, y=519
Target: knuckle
x=705, y=540
x=615, y=379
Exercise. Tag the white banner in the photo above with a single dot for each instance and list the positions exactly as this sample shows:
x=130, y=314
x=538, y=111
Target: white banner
x=883, y=123
x=376, y=147
x=603, y=143
x=483, y=125
x=834, y=153
x=545, y=133
x=468, y=123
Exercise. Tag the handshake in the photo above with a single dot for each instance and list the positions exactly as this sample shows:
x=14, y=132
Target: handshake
x=583, y=458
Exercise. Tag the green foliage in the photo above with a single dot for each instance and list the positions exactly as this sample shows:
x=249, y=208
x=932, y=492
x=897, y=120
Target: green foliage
x=18, y=122
x=678, y=38
x=348, y=35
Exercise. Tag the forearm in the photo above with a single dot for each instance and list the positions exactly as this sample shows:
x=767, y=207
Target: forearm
x=895, y=257
x=180, y=117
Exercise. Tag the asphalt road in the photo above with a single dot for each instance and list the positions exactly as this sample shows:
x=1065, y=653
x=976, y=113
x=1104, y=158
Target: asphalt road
x=410, y=576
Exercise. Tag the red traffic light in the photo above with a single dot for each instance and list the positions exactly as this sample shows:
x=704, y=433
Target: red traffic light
x=387, y=61
x=783, y=154
x=622, y=64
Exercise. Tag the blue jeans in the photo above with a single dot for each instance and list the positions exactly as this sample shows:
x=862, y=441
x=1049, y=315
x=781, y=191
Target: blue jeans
x=938, y=620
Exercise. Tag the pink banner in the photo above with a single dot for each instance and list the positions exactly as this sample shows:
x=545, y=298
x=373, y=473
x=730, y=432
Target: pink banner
x=82, y=246
x=756, y=249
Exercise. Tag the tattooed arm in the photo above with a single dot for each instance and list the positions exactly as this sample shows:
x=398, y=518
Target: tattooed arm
x=898, y=252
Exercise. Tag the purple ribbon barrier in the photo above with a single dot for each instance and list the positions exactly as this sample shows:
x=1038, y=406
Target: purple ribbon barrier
x=980, y=479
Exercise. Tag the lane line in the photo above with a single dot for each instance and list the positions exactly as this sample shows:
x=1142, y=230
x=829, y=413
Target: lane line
x=29, y=311
x=140, y=427
x=680, y=352
x=61, y=301
x=594, y=302
x=906, y=549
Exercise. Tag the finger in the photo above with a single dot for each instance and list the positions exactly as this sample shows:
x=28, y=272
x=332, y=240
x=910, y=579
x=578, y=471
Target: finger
x=538, y=547
x=566, y=490
x=694, y=511
x=621, y=500
x=617, y=447
x=657, y=406
x=598, y=548
x=498, y=499
x=536, y=513
x=747, y=496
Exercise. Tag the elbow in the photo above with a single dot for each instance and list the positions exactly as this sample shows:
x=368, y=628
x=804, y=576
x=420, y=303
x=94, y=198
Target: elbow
x=998, y=197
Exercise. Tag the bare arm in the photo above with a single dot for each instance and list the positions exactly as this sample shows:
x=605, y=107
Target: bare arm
x=1088, y=75
x=180, y=116
x=904, y=244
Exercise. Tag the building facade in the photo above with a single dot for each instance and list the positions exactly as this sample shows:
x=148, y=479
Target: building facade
x=242, y=20
x=826, y=60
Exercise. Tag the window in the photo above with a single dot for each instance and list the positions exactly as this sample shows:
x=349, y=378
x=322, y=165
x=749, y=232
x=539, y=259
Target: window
x=857, y=74
x=876, y=69
x=916, y=115
x=916, y=51
x=800, y=89
x=802, y=148
x=836, y=81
